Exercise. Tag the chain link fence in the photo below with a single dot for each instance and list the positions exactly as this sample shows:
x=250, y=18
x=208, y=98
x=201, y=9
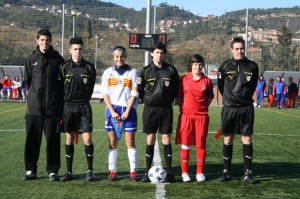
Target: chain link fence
x=273, y=35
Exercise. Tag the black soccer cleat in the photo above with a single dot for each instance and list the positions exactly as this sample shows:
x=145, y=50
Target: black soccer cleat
x=90, y=175
x=53, y=177
x=170, y=177
x=67, y=177
x=248, y=177
x=145, y=178
x=225, y=176
x=29, y=175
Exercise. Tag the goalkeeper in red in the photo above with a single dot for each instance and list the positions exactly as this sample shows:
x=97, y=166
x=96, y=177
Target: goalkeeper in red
x=195, y=95
x=237, y=82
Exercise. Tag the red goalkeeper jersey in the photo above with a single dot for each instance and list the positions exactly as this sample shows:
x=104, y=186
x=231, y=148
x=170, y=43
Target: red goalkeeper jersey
x=193, y=94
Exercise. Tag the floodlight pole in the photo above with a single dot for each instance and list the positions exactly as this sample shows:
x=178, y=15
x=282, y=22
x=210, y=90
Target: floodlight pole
x=63, y=30
x=252, y=44
x=73, y=13
x=147, y=52
x=246, y=42
x=96, y=51
x=154, y=19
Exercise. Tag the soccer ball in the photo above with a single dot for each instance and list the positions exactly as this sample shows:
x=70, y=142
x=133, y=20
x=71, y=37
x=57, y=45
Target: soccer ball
x=157, y=174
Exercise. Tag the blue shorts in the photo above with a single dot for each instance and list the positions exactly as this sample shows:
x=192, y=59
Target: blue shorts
x=130, y=123
x=6, y=89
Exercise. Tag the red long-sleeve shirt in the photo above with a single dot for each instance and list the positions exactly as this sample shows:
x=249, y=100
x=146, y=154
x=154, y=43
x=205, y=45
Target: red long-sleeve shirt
x=6, y=83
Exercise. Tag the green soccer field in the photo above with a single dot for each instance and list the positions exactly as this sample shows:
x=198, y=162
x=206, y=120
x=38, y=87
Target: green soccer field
x=276, y=164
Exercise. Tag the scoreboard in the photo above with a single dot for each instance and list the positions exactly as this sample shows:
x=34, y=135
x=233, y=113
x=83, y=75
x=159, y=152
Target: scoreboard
x=145, y=41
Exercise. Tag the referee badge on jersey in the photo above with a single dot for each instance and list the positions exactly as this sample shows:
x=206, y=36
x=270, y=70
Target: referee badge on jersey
x=84, y=80
x=248, y=78
x=203, y=87
x=139, y=80
x=167, y=83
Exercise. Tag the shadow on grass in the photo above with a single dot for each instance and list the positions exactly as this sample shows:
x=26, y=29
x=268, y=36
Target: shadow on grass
x=262, y=171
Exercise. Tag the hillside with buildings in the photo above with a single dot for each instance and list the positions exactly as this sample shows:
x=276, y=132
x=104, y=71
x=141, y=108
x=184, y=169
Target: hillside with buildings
x=186, y=32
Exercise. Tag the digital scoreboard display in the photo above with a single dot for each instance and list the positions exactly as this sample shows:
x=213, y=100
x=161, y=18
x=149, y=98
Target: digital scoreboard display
x=145, y=41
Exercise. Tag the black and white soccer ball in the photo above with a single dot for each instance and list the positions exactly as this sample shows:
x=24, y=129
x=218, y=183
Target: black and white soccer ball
x=157, y=174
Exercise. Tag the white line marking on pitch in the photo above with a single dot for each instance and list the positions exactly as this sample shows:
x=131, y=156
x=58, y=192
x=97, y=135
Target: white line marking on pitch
x=160, y=187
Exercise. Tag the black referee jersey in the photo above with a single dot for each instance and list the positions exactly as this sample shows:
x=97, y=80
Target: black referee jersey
x=79, y=81
x=158, y=86
x=237, y=82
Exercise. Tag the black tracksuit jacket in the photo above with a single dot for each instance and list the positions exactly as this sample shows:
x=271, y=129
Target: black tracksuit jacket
x=45, y=86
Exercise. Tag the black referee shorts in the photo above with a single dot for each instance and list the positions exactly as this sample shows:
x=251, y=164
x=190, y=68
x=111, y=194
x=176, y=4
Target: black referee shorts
x=78, y=118
x=237, y=120
x=157, y=117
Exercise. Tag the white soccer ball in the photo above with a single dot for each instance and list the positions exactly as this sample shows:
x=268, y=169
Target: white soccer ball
x=157, y=174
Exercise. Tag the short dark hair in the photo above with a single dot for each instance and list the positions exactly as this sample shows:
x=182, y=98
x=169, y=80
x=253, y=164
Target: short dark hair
x=237, y=40
x=196, y=58
x=75, y=40
x=160, y=46
x=45, y=32
x=119, y=48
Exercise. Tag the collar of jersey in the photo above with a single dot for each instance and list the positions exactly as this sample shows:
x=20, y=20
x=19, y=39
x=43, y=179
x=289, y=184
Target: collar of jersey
x=125, y=70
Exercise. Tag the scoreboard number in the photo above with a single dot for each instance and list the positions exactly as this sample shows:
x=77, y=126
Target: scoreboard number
x=145, y=41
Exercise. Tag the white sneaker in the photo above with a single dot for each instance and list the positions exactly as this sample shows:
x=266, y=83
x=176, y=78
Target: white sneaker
x=200, y=177
x=186, y=177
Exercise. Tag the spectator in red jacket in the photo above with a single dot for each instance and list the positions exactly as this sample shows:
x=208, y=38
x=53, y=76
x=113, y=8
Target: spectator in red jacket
x=6, y=83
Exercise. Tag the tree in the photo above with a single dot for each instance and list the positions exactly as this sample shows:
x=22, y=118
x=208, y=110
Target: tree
x=285, y=54
x=88, y=29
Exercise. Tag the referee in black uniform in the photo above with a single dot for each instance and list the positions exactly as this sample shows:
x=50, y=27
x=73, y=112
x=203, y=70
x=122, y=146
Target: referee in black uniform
x=237, y=82
x=158, y=86
x=79, y=78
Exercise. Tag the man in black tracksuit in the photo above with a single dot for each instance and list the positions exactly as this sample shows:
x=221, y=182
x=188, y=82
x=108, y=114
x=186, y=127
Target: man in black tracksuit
x=237, y=82
x=158, y=87
x=79, y=78
x=44, y=103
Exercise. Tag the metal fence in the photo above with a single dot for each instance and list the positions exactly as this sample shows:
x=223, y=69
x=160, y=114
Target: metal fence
x=273, y=35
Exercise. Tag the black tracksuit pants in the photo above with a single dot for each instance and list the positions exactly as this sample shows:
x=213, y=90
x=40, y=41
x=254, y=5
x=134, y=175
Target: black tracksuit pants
x=35, y=125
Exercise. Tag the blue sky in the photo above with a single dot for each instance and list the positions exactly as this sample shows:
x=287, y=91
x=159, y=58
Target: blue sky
x=216, y=7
